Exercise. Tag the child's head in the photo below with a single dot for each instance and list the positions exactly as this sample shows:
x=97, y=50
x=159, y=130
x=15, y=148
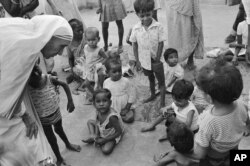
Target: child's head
x=220, y=80
x=181, y=92
x=113, y=54
x=114, y=69
x=92, y=36
x=77, y=28
x=102, y=100
x=171, y=57
x=144, y=10
x=35, y=75
x=181, y=137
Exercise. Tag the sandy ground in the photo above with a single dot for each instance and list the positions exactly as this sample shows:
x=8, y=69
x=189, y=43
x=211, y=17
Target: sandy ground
x=137, y=149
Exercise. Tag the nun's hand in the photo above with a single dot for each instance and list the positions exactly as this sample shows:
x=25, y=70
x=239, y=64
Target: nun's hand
x=32, y=128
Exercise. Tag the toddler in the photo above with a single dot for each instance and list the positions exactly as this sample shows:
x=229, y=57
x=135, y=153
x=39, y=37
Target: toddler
x=182, y=139
x=172, y=69
x=107, y=129
x=45, y=98
x=223, y=124
x=112, y=10
x=123, y=92
x=184, y=109
x=148, y=41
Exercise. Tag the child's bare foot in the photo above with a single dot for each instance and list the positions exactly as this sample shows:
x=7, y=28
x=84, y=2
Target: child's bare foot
x=151, y=98
x=146, y=129
x=163, y=138
x=89, y=140
x=62, y=163
x=73, y=147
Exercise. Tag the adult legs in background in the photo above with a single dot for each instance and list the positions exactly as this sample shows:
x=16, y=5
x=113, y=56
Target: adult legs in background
x=105, y=34
x=151, y=78
x=120, y=27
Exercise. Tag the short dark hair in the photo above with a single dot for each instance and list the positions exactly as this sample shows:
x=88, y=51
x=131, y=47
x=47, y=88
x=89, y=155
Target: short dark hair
x=92, y=30
x=112, y=61
x=221, y=80
x=106, y=91
x=74, y=22
x=144, y=5
x=168, y=52
x=182, y=89
x=181, y=137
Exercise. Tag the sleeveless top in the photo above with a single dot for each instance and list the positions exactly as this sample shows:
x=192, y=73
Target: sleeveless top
x=110, y=131
x=46, y=100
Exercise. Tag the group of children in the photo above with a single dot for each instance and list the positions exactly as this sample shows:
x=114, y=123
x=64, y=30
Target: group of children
x=207, y=108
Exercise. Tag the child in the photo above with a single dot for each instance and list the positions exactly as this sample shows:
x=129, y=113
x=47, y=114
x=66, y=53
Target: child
x=112, y=10
x=46, y=101
x=107, y=129
x=123, y=93
x=183, y=108
x=148, y=41
x=223, y=124
x=233, y=54
x=76, y=54
x=182, y=139
x=172, y=69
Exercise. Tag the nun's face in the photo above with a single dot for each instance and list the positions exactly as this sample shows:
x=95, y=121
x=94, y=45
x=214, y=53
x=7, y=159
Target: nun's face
x=54, y=47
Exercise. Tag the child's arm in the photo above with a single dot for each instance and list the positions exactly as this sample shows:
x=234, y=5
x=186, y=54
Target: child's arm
x=128, y=37
x=71, y=58
x=172, y=81
x=190, y=116
x=135, y=50
x=70, y=105
x=30, y=7
x=199, y=152
x=103, y=55
x=99, y=10
x=131, y=98
x=114, y=123
x=169, y=158
x=54, y=8
x=237, y=49
x=159, y=51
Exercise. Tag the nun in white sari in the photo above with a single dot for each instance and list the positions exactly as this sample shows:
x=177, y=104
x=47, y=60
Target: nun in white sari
x=20, y=44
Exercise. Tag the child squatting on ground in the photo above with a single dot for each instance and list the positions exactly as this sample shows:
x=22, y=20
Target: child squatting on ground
x=183, y=109
x=221, y=125
x=45, y=97
x=182, y=139
x=123, y=92
x=107, y=129
x=172, y=69
x=148, y=40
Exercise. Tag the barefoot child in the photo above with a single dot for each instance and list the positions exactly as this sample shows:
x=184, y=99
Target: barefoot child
x=148, y=41
x=223, y=124
x=112, y=10
x=172, y=69
x=182, y=139
x=45, y=98
x=123, y=93
x=183, y=108
x=107, y=129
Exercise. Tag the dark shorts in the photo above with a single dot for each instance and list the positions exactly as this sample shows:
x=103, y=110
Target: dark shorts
x=157, y=71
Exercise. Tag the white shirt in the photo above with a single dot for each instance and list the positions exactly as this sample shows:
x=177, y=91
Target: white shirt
x=148, y=41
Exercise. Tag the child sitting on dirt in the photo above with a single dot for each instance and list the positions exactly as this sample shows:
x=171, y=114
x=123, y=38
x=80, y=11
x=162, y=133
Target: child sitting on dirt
x=184, y=109
x=172, y=69
x=123, y=92
x=182, y=139
x=45, y=97
x=223, y=124
x=107, y=129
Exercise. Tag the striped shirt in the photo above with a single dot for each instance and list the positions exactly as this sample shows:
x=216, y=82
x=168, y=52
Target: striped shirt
x=222, y=133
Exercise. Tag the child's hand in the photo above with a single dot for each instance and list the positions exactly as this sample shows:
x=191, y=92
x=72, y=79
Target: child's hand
x=124, y=111
x=246, y=132
x=70, y=106
x=138, y=66
x=100, y=141
x=99, y=10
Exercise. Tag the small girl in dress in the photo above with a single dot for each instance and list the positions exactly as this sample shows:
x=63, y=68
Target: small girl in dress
x=123, y=93
x=112, y=10
x=184, y=109
x=172, y=69
x=45, y=97
x=107, y=129
x=182, y=139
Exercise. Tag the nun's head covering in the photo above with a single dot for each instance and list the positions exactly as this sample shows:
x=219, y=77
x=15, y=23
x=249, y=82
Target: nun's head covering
x=20, y=44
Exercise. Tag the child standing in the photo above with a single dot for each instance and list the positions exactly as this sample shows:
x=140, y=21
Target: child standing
x=123, y=93
x=46, y=101
x=223, y=124
x=148, y=41
x=112, y=10
x=184, y=109
x=172, y=69
x=107, y=129
x=182, y=139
